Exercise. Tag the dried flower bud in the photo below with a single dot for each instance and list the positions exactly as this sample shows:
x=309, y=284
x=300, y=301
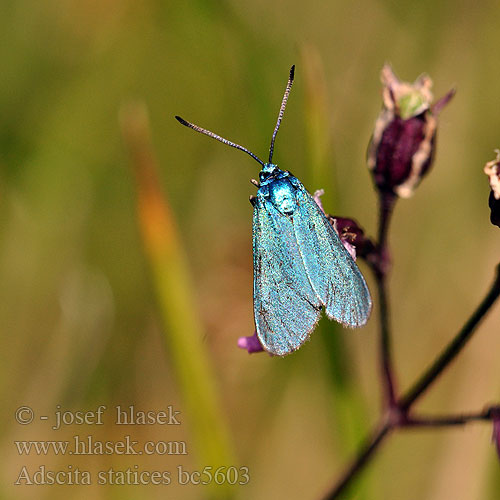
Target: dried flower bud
x=352, y=236
x=402, y=146
x=492, y=170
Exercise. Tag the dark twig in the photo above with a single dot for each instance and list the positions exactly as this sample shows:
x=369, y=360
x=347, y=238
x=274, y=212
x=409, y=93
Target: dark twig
x=386, y=202
x=381, y=267
x=399, y=415
x=448, y=420
x=385, y=342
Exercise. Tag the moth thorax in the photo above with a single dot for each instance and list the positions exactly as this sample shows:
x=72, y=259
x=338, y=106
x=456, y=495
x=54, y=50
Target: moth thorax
x=282, y=195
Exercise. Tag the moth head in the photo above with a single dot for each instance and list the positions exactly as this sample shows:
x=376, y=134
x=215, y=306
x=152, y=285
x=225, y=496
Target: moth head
x=268, y=171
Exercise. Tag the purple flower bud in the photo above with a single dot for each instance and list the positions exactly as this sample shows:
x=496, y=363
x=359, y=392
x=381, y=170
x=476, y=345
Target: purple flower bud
x=350, y=233
x=251, y=344
x=402, y=146
x=492, y=170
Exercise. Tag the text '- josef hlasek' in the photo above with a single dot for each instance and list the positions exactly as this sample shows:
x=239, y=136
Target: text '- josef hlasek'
x=119, y=415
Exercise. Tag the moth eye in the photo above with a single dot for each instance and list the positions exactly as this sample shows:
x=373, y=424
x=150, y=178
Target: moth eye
x=263, y=176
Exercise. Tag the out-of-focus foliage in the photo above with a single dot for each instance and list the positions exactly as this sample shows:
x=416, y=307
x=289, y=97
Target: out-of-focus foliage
x=80, y=322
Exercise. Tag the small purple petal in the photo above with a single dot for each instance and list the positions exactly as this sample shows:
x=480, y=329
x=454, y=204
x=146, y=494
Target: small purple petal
x=251, y=344
x=351, y=249
x=317, y=198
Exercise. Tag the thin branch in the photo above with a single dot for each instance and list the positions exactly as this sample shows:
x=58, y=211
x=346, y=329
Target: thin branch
x=391, y=422
x=397, y=415
x=385, y=342
x=448, y=420
x=386, y=202
x=454, y=348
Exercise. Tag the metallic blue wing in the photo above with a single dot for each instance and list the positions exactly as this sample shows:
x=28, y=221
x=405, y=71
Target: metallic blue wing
x=286, y=308
x=333, y=274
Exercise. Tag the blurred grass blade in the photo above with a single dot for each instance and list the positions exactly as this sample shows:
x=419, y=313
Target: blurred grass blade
x=317, y=126
x=347, y=406
x=182, y=329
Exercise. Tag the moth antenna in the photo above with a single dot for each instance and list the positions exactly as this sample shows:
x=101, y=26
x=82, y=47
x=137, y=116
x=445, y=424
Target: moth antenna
x=282, y=110
x=218, y=137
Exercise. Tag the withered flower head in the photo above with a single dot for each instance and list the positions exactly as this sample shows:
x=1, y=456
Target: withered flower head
x=402, y=146
x=352, y=236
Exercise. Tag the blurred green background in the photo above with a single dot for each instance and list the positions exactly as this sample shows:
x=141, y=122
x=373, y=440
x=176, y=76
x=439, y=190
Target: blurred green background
x=88, y=318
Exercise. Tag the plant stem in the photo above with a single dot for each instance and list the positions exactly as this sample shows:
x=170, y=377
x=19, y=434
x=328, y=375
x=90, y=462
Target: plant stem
x=389, y=424
x=361, y=460
x=385, y=343
x=381, y=268
x=397, y=415
x=386, y=206
x=454, y=348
